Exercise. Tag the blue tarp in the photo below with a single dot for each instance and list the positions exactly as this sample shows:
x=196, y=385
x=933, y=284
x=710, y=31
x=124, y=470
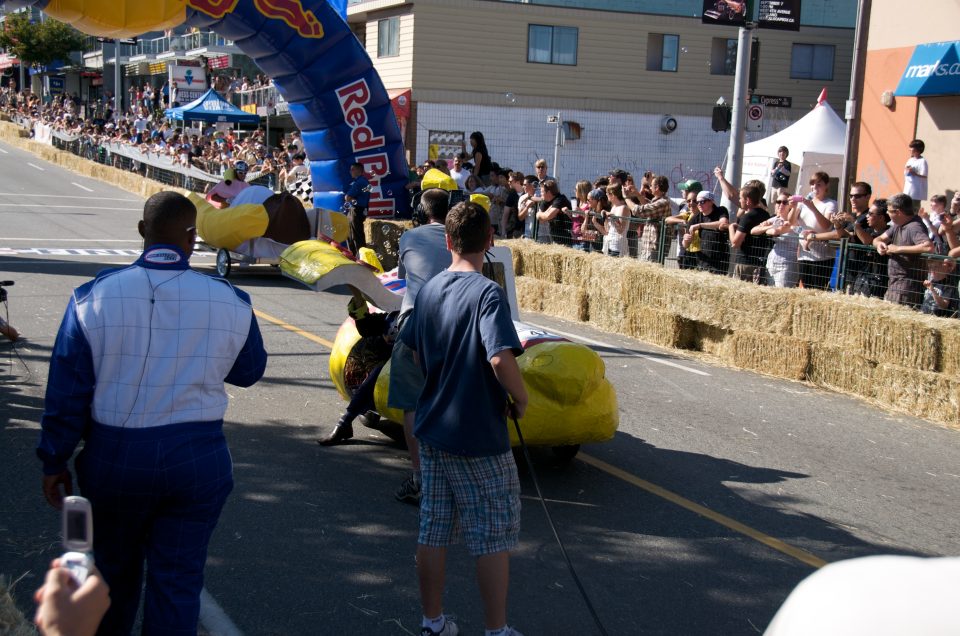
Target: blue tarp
x=211, y=108
x=934, y=69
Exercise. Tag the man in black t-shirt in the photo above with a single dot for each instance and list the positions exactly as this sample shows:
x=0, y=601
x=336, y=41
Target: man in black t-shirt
x=751, y=250
x=512, y=227
x=555, y=209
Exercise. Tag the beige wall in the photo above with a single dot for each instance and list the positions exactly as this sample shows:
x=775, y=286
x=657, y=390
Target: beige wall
x=894, y=23
x=395, y=71
x=467, y=48
x=938, y=124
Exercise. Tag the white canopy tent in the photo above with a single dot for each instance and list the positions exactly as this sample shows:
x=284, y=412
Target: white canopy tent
x=815, y=141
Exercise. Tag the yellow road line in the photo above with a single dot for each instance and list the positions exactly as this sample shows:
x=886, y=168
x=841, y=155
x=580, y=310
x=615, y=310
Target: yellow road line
x=771, y=542
x=297, y=330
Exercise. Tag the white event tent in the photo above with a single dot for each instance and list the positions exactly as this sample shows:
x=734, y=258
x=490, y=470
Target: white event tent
x=815, y=141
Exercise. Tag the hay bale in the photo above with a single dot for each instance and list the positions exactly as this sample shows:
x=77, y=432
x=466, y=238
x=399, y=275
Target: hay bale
x=900, y=337
x=605, y=306
x=923, y=394
x=772, y=354
x=553, y=299
x=841, y=369
x=516, y=254
x=832, y=319
x=726, y=303
x=714, y=341
x=659, y=327
x=383, y=237
x=950, y=348
x=543, y=262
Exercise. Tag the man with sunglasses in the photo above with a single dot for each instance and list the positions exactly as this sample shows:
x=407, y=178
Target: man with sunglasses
x=137, y=372
x=904, y=242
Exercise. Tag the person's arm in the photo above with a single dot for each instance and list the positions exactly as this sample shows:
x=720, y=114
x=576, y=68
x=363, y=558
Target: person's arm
x=822, y=221
x=923, y=247
x=251, y=362
x=729, y=191
x=949, y=231
x=552, y=212
x=507, y=371
x=762, y=228
x=655, y=210
x=737, y=236
x=67, y=404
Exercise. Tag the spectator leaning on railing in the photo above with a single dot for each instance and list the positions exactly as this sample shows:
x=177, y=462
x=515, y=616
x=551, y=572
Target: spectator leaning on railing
x=904, y=242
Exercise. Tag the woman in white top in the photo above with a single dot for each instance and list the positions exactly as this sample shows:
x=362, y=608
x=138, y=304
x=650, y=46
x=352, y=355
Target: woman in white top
x=816, y=257
x=782, y=228
x=617, y=220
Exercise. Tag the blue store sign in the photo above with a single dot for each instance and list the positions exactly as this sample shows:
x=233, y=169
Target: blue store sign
x=934, y=69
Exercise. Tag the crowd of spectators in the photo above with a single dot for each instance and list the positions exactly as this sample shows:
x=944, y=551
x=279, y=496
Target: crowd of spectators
x=144, y=128
x=902, y=249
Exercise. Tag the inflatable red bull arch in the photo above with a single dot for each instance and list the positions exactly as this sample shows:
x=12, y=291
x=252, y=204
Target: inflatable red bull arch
x=336, y=97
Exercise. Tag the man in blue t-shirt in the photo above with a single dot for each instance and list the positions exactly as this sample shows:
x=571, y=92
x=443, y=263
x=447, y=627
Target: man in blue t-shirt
x=357, y=195
x=465, y=341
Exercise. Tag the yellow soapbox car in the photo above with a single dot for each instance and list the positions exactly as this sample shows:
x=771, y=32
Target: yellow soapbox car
x=571, y=400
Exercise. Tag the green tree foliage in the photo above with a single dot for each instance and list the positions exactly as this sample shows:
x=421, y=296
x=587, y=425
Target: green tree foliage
x=39, y=43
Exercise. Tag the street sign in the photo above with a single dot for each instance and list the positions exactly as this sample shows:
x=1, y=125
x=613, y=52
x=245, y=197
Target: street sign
x=755, y=117
x=775, y=101
x=779, y=14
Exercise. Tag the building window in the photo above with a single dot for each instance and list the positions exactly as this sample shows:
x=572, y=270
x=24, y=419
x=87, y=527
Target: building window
x=812, y=61
x=723, y=57
x=662, y=52
x=388, y=37
x=552, y=45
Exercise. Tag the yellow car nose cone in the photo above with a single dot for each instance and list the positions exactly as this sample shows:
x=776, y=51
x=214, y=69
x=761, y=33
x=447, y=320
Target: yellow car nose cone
x=118, y=18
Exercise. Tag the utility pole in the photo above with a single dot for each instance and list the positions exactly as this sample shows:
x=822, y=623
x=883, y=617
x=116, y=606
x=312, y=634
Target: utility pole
x=734, y=171
x=117, y=88
x=852, y=110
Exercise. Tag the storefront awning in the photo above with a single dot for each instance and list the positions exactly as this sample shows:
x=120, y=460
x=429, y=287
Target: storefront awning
x=934, y=69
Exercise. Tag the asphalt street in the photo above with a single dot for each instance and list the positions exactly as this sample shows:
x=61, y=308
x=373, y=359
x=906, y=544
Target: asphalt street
x=720, y=492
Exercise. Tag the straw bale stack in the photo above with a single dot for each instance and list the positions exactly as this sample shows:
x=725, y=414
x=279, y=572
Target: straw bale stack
x=919, y=393
x=774, y=354
x=659, y=327
x=900, y=337
x=841, y=369
x=562, y=301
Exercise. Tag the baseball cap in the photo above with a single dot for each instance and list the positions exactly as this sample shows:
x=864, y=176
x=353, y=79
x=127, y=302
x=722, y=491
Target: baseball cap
x=690, y=185
x=703, y=195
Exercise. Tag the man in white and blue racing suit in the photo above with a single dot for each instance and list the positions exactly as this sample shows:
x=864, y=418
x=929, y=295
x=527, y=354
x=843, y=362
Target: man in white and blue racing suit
x=137, y=373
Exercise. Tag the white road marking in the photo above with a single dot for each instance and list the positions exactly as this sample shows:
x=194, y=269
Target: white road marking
x=214, y=619
x=82, y=187
x=4, y=151
x=74, y=207
x=632, y=354
x=33, y=165
x=65, y=196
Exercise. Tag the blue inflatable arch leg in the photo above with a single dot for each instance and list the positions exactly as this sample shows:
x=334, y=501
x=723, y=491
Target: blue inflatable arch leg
x=335, y=95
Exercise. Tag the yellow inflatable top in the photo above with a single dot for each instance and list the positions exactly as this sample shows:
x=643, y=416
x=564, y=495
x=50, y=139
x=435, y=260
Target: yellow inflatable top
x=434, y=178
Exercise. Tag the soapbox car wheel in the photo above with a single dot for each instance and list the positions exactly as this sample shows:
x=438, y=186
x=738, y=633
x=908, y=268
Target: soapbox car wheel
x=224, y=262
x=565, y=453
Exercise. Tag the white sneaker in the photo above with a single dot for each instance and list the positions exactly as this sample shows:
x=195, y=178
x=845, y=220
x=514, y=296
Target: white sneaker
x=449, y=629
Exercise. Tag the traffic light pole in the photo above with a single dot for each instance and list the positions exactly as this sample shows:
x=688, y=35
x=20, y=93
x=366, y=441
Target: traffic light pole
x=734, y=171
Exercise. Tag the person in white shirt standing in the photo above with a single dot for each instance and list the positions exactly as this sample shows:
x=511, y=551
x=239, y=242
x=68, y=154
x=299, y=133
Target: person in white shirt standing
x=915, y=174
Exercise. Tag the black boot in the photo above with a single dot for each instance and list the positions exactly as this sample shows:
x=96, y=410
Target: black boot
x=340, y=433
